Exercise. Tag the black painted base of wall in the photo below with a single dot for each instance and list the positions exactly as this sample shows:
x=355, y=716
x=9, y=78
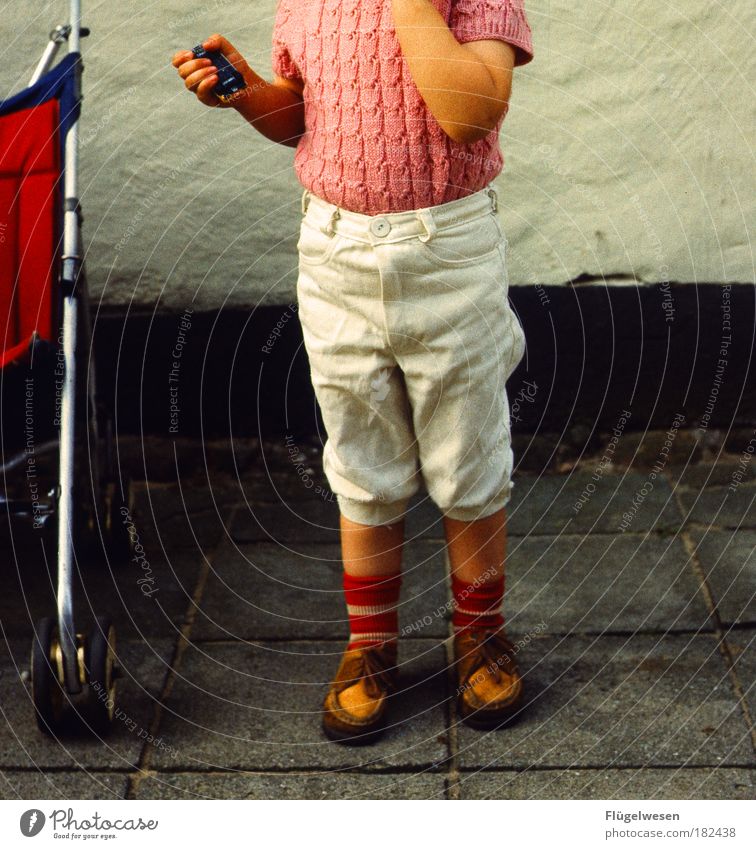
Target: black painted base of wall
x=594, y=351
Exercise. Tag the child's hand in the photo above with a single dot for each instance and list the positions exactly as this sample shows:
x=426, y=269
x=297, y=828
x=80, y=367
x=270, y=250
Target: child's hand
x=199, y=75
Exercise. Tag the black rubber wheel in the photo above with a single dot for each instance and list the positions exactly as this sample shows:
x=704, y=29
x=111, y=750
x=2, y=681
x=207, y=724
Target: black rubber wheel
x=48, y=694
x=102, y=673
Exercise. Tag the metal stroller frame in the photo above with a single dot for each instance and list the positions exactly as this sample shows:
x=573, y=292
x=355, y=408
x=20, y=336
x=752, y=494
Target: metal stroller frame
x=73, y=675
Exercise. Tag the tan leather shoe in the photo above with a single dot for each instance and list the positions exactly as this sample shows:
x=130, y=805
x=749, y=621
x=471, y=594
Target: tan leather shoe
x=354, y=710
x=490, y=688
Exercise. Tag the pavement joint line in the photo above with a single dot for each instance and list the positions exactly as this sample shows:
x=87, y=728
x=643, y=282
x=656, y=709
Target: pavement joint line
x=415, y=769
x=747, y=625
x=256, y=641
x=709, y=630
x=652, y=532
x=182, y=642
x=285, y=543
x=214, y=772
x=68, y=770
x=719, y=629
x=697, y=524
x=604, y=767
x=452, y=733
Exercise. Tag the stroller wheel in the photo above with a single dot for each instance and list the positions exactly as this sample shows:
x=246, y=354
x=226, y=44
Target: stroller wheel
x=102, y=673
x=47, y=677
x=117, y=513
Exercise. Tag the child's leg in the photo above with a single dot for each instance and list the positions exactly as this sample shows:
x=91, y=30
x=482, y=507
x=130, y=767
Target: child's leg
x=490, y=687
x=372, y=556
x=371, y=549
x=355, y=707
x=477, y=551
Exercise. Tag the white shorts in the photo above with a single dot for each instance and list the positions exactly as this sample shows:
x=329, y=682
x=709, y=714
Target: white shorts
x=411, y=338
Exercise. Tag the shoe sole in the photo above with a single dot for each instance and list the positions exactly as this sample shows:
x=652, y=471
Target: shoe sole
x=349, y=738
x=481, y=720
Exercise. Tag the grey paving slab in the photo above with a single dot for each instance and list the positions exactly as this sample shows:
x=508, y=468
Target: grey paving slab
x=276, y=485
x=616, y=701
x=732, y=504
x=199, y=532
x=729, y=560
x=293, y=472
x=23, y=745
x=257, y=707
x=233, y=455
x=543, y=504
x=185, y=513
x=144, y=598
x=702, y=783
x=596, y=582
x=316, y=519
x=743, y=649
x=62, y=785
x=189, y=514
x=586, y=500
x=643, y=450
x=186, y=496
x=721, y=472
x=313, y=785
x=266, y=591
x=286, y=470
x=423, y=519
x=295, y=523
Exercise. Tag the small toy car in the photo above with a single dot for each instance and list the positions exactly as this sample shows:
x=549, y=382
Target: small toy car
x=230, y=82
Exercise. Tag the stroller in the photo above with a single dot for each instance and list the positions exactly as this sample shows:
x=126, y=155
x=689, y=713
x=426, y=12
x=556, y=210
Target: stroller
x=47, y=384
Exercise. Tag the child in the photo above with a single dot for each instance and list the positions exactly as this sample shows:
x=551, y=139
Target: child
x=394, y=107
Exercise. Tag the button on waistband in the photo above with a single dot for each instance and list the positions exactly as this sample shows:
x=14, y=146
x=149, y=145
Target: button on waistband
x=380, y=227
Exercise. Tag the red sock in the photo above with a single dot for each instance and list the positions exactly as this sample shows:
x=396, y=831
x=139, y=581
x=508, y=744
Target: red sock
x=372, y=608
x=477, y=605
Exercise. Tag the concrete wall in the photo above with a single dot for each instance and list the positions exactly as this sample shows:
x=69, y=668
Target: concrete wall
x=627, y=150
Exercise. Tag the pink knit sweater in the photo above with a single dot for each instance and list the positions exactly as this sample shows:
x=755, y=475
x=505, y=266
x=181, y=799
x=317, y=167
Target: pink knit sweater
x=371, y=145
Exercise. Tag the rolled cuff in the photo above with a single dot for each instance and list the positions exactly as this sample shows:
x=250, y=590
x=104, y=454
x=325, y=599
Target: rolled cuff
x=372, y=512
x=474, y=514
x=502, y=20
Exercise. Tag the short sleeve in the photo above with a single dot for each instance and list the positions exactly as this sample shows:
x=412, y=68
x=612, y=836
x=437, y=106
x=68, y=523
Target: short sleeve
x=283, y=64
x=504, y=20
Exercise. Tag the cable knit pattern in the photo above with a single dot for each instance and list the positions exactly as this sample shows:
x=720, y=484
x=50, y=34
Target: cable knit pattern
x=371, y=145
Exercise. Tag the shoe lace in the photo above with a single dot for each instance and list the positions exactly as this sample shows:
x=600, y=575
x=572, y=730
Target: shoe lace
x=492, y=650
x=374, y=673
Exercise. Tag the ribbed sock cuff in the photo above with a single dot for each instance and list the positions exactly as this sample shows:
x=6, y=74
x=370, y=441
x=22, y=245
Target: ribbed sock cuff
x=477, y=605
x=372, y=608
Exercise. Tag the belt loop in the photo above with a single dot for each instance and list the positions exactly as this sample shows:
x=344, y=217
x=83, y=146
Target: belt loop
x=305, y=201
x=429, y=222
x=329, y=229
x=492, y=193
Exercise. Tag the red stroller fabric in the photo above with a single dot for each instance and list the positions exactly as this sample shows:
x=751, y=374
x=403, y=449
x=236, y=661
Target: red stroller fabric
x=30, y=174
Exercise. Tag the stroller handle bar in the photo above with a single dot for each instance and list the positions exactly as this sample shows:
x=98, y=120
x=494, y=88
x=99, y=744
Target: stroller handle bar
x=60, y=35
x=71, y=34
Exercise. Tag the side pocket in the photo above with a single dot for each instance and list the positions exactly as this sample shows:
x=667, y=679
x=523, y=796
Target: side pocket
x=516, y=334
x=469, y=242
x=314, y=246
x=503, y=255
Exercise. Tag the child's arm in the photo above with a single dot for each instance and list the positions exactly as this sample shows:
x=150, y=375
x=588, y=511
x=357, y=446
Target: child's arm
x=275, y=109
x=466, y=87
